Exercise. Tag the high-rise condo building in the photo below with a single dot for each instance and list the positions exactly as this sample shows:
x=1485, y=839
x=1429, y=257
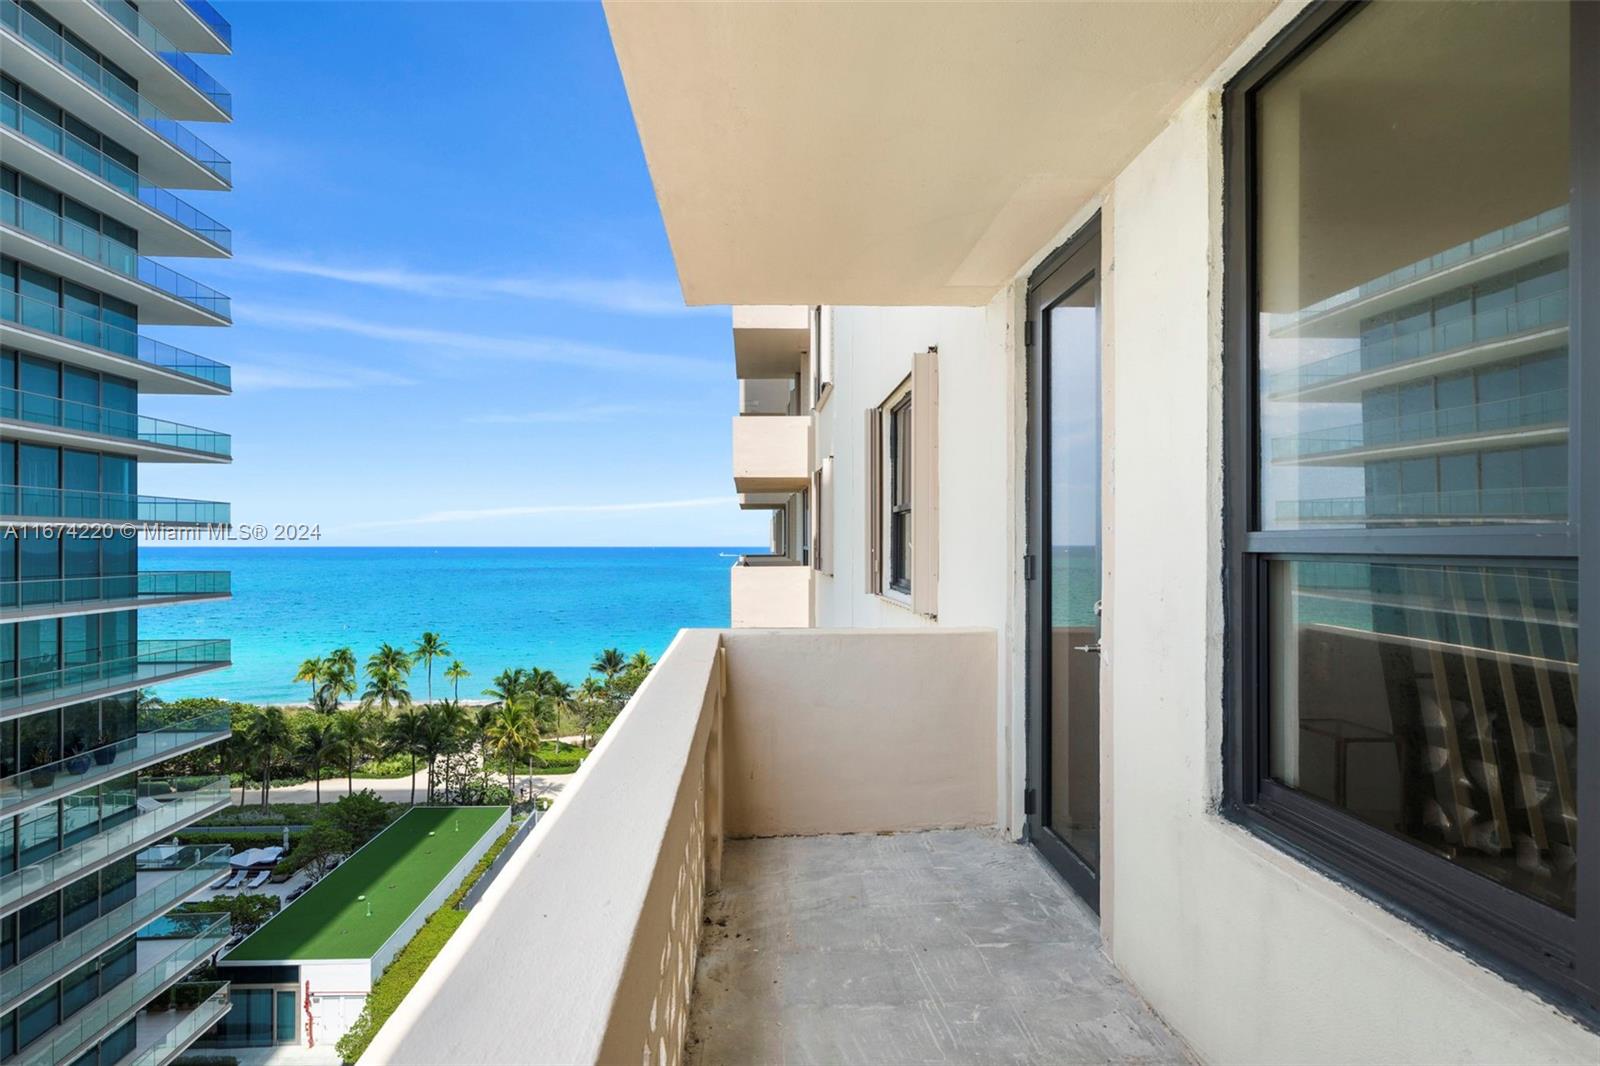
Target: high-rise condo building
x=95, y=97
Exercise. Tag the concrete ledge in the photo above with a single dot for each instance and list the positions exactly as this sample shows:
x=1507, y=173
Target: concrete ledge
x=607, y=893
x=859, y=730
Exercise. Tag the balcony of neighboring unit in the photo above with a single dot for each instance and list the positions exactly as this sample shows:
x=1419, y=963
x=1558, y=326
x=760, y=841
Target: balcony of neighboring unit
x=170, y=155
x=167, y=224
x=192, y=25
x=771, y=453
x=167, y=950
x=166, y=876
x=1479, y=506
x=58, y=597
x=167, y=77
x=1493, y=253
x=49, y=420
x=770, y=341
x=161, y=1036
x=770, y=592
x=37, y=506
x=58, y=244
x=54, y=332
x=153, y=662
x=1523, y=328
x=163, y=807
x=1538, y=418
x=775, y=894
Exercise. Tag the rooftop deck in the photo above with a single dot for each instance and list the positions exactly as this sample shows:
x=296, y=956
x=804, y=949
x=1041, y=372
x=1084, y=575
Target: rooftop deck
x=352, y=912
x=943, y=946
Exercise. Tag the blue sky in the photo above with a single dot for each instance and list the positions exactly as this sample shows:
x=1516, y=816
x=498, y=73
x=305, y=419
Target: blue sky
x=456, y=316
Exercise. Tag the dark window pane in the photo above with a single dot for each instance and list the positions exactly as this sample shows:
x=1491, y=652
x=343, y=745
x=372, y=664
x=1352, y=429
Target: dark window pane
x=1436, y=702
x=1412, y=240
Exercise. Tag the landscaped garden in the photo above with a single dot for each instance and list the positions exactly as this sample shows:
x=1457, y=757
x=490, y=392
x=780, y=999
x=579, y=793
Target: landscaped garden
x=531, y=722
x=355, y=908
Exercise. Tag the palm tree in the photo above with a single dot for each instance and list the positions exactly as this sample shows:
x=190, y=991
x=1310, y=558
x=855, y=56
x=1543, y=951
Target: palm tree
x=457, y=733
x=385, y=687
x=268, y=733
x=593, y=703
x=147, y=701
x=404, y=736
x=609, y=663
x=508, y=686
x=341, y=676
x=354, y=740
x=319, y=742
x=512, y=732
x=433, y=738
x=314, y=672
x=430, y=647
x=641, y=661
x=457, y=673
x=389, y=657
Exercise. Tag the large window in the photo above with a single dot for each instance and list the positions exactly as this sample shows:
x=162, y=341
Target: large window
x=1409, y=330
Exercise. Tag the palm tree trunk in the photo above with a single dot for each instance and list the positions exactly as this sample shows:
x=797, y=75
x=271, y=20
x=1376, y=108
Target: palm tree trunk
x=413, y=779
x=266, y=780
x=350, y=778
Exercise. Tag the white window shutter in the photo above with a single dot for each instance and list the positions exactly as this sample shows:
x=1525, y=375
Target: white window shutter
x=925, y=483
x=873, y=511
x=825, y=513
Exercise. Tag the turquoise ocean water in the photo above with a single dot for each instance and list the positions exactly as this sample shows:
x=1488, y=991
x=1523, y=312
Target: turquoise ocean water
x=496, y=607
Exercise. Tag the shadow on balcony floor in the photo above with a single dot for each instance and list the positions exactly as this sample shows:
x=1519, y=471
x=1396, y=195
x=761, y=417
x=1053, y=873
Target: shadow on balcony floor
x=942, y=947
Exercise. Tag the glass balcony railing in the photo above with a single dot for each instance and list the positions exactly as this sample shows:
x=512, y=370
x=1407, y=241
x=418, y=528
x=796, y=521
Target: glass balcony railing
x=1502, y=323
x=163, y=807
x=75, y=150
x=144, y=585
x=31, y=501
x=86, y=243
x=1480, y=504
x=1494, y=416
x=45, y=317
x=127, y=16
x=178, y=948
x=88, y=70
x=1545, y=222
x=211, y=1003
x=209, y=15
x=127, y=425
x=153, y=661
x=187, y=870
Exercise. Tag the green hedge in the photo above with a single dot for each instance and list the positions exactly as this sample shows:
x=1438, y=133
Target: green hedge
x=274, y=814
x=406, y=970
x=240, y=841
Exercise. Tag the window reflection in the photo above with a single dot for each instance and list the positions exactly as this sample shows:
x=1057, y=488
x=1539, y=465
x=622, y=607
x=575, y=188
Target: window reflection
x=1437, y=702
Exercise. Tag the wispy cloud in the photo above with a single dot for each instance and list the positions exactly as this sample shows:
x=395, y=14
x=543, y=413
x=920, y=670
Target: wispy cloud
x=595, y=412
x=257, y=374
x=626, y=295
x=454, y=342
x=437, y=518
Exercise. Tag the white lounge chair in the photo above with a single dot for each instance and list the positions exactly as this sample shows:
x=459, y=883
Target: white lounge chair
x=236, y=880
x=258, y=880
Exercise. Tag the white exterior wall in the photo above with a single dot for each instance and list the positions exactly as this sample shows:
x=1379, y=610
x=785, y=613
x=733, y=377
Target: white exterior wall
x=1251, y=955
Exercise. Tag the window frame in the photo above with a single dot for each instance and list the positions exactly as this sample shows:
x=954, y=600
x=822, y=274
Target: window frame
x=1529, y=941
x=897, y=465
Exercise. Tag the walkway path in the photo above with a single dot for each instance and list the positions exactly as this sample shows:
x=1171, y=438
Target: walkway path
x=393, y=789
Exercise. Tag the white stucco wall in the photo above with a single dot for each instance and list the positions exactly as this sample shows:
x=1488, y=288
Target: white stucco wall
x=979, y=511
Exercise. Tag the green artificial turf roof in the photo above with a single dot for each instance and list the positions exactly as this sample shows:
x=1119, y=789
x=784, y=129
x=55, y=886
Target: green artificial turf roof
x=396, y=871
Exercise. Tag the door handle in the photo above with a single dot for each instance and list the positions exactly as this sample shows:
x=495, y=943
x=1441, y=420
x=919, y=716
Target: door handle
x=1093, y=649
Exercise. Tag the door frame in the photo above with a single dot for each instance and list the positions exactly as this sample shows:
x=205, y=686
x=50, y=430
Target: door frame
x=1083, y=879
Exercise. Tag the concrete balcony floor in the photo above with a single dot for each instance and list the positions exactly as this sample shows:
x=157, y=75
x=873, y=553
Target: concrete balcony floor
x=932, y=947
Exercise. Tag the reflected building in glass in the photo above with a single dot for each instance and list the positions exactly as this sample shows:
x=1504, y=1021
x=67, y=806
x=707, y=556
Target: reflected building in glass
x=95, y=98
x=1413, y=389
